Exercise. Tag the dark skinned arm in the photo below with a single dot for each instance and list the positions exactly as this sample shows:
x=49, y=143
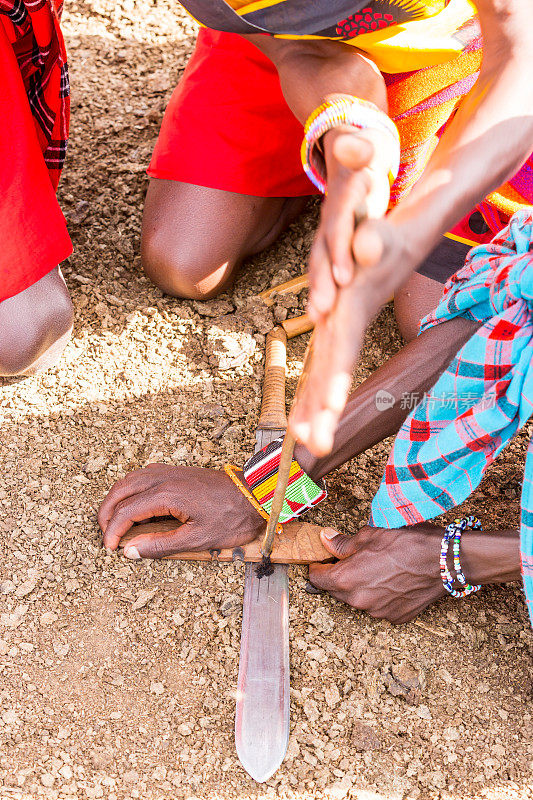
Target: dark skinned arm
x=484, y=145
x=414, y=369
x=391, y=574
x=312, y=70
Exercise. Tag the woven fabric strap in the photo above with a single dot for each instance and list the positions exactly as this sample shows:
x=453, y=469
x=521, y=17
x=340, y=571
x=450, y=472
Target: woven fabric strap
x=260, y=473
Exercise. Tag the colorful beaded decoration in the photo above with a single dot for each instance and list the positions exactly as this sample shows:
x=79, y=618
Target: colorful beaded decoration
x=261, y=476
x=353, y=112
x=453, y=533
x=230, y=469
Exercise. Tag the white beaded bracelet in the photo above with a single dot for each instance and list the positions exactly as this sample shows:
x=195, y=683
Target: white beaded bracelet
x=353, y=112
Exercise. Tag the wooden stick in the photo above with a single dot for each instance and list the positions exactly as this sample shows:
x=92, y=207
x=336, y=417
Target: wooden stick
x=295, y=326
x=294, y=285
x=273, y=416
x=299, y=543
x=285, y=462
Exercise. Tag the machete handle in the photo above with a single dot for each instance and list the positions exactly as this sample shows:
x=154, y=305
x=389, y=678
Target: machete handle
x=273, y=414
x=299, y=543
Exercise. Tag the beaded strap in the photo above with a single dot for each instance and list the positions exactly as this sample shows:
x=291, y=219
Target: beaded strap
x=351, y=111
x=453, y=533
x=229, y=469
x=261, y=474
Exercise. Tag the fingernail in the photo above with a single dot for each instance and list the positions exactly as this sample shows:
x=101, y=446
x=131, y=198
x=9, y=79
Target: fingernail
x=132, y=552
x=329, y=533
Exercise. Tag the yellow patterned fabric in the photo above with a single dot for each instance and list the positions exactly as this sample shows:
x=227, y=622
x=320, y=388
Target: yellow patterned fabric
x=398, y=35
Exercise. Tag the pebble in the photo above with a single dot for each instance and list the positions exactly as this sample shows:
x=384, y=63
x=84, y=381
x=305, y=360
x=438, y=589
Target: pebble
x=48, y=618
x=363, y=738
x=143, y=598
x=332, y=695
x=184, y=729
x=321, y=620
x=230, y=605
x=66, y=772
x=423, y=712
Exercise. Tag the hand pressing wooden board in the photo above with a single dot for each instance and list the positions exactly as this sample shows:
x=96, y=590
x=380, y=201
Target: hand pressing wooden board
x=298, y=544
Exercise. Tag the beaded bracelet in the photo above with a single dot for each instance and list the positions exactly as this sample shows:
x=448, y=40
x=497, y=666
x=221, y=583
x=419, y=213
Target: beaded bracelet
x=351, y=111
x=453, y=533
x=229, y=469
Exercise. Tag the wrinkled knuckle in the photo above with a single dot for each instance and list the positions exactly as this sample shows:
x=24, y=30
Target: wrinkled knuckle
x=158, y=548
x=167, y=490
x=121, y=510
x=343, y=583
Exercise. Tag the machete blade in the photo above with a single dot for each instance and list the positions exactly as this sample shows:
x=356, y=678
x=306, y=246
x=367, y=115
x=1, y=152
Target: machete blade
x=264, y=436
x=262, y=709
x=262, y=712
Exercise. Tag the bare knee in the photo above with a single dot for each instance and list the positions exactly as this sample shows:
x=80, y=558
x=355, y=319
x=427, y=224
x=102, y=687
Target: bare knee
x=183, y=270
x=35, y=327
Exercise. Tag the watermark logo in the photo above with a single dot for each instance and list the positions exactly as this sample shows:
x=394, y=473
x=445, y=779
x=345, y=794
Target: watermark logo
x=447, y=401
x=384, y=400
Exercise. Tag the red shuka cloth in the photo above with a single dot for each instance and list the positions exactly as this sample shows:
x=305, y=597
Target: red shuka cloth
x=34, y=111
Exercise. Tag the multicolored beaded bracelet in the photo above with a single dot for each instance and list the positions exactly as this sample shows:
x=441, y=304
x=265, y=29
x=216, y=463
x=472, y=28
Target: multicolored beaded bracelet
x=453, y=533
x=351, y=111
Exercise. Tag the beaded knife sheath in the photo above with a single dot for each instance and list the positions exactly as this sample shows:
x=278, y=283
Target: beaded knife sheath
x=262, y=709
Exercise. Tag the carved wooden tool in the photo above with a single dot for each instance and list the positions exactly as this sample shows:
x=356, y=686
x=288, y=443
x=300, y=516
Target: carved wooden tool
x=295, y=326
x=295, y=285
x=300, y=543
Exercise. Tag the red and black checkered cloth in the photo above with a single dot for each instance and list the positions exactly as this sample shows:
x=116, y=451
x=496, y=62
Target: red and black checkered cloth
x=33, y=28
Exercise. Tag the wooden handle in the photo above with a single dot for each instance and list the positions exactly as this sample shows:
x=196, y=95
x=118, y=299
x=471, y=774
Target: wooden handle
x=273, y=414
x=299, y=543
x=285, y=461
x=297, y=325
x=295, y=285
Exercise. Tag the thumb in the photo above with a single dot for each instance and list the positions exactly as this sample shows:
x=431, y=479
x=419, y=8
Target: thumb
x=160, y=542
x=368, y=245
x=352, y=151
x=338, y=544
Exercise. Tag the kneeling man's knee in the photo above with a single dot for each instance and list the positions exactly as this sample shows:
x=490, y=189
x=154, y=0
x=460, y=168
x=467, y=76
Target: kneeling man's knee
x=183, y=270
x=35, y=327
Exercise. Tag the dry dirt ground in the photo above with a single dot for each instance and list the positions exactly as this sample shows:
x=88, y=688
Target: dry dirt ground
x=118, y=678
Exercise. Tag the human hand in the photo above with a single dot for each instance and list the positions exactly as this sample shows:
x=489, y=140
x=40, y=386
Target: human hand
x=357, y=165
x=211, y=511
x=392, y=574
x=385, y=257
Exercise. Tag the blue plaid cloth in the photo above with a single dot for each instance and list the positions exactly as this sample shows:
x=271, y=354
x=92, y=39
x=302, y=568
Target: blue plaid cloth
x=486, y=394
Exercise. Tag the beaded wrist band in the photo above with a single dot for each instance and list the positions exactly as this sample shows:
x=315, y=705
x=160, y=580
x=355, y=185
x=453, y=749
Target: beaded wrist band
x=353, y=112
x=453, y=533
x=229, y=469
x=260, y=473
